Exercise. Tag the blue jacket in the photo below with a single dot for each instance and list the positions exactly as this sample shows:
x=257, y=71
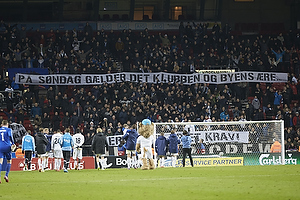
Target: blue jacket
x=277, y=99
x=173, y=143
x=186, y=141
x=66, y=142
x=28, y=143
x=130, y=136
x=161, y=145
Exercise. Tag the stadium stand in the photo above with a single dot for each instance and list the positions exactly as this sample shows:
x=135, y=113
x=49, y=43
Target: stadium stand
x=91, y=51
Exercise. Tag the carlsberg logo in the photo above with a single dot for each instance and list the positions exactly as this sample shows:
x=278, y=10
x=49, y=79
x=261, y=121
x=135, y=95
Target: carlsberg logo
x=265, y=159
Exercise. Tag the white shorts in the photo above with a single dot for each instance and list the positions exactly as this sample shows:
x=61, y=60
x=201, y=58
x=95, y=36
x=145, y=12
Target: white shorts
x=174, y=154
x=100, y=155
x=57, y=154
x=42, y=155
x=50, y=154
x=77, y=153
x=130, y=151
x=146, y=152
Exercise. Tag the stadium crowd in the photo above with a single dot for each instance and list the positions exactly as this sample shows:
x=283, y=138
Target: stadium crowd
x=110, y=106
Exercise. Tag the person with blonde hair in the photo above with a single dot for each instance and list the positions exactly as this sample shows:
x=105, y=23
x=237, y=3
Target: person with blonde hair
x=99, y=144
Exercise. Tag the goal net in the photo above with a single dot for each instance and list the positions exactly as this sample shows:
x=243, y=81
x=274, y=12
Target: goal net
x=229, y=143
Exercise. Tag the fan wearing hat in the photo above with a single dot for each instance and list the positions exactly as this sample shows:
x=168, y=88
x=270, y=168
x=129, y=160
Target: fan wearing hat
x=145, y=142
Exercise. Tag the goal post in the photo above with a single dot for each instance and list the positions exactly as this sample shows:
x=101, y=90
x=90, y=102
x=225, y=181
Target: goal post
x=230, y=143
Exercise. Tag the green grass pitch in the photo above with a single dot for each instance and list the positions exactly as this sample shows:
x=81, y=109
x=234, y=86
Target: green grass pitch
x=245, y=182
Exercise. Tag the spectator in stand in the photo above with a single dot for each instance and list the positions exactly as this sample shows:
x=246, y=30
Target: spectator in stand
x=36, y=110
x=296, y=120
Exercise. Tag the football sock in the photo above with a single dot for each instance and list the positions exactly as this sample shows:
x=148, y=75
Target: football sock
x=8, y=165
x=55, y=164
x=39, y=163
x=128, y=162
x=75, y=163
x=0, y=168
x=59, y=164
x=102, y=163
x=162, y=164
x=46, y=163
x=29, y=165
x=134, y=161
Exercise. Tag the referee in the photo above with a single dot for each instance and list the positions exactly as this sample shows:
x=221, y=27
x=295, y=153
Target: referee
x=186, y=141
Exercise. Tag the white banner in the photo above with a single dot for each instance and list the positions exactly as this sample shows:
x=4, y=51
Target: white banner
x=161, y=77
x=217, y=136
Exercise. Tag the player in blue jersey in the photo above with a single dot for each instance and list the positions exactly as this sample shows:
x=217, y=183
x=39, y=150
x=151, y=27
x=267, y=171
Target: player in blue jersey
x=6, y=146
x=66, y=142
x=161, y=144
x=28, y=147
x=131, y=136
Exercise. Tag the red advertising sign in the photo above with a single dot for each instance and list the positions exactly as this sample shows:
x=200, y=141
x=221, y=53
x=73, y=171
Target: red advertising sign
x=86, y=163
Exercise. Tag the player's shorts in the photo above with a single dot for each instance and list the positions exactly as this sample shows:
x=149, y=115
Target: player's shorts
x=174, y=154
x=57, y=154
x=100, y=155
x=130, y=151
x=43, y=155
x=77, y=153
x=146, y=152
x=5, y=152
x=49, y=154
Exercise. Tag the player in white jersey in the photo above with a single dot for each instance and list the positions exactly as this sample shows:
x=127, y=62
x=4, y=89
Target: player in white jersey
x=78, y=139
x=56, y=149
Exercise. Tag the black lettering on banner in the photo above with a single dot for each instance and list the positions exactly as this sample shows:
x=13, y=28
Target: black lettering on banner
x=116, y=77
x=28, y=80
x=206, y=77
x=70, y=79
x=123, y=77
x=237, y=77
x=96, y=79
x=48, y=79
x=162, y=78
x=190, y=79
x=88, y=79
x=77, y=79
x=55, y=79
x=251, y=76
x=216, y=136
x=214, y=78
x=133, y=77
x=196, y=78
x=208, y=137
x=140, y=78
x=41, y=79
x=243, y=76
x=63, y=79
x=266, y=77
x=176, y=79
x=146, y=77
x=223, y=136
x=183, y=79
x=231, y=136
x=109, y=78
x=259, y=77
x=21, y=77
x=223, y=77
x=230, y=76
x=155, y=78
x=273, y=77
x=170, y=78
